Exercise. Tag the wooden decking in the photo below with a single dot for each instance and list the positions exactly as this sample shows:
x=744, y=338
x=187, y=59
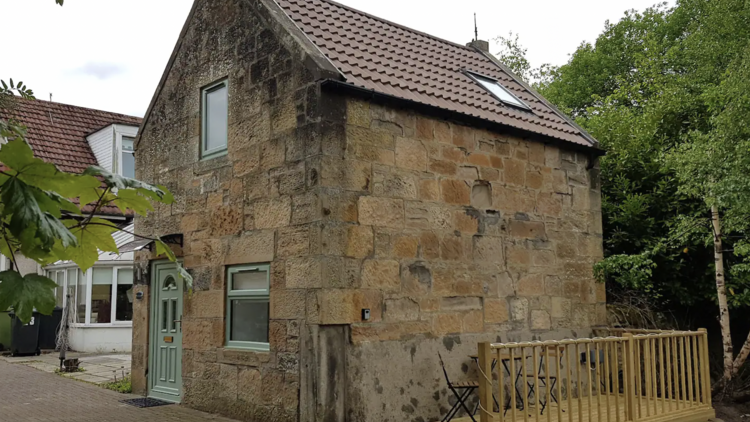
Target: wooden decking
x=555, y=413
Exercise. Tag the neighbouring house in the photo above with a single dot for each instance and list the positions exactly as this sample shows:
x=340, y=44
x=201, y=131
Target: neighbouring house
x=352, y=197
x=74, y=138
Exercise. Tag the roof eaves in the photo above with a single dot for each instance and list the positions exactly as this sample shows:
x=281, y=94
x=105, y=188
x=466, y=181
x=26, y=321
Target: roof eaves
x=532, y=91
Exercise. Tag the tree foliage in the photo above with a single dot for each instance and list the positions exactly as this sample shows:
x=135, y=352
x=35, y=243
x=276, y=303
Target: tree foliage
x=42, y=212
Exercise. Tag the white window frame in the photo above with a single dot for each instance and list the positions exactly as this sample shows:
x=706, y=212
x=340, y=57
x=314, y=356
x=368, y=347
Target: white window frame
x=482, y=79
x=89, y=276
x=120, y=131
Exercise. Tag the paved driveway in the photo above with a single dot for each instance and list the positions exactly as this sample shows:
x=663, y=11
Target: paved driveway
x=27, y=394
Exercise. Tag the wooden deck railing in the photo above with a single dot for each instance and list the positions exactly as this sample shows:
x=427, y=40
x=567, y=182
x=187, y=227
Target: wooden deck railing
x=650, y=376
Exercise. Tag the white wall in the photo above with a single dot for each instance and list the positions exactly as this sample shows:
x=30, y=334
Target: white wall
x=101, y=339
x=103, y=145
x=108, y=141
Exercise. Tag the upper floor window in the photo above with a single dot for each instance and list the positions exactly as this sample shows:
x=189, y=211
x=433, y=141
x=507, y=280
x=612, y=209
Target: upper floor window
x=498, y=91
x=214, y=115
x=127, y=157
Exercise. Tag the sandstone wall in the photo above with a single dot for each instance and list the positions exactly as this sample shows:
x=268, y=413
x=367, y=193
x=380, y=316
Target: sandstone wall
x=456, y=235
x=254, y=205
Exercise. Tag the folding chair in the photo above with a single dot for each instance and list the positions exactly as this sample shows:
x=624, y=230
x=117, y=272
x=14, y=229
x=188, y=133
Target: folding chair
x=462, y=390
x=554, y=352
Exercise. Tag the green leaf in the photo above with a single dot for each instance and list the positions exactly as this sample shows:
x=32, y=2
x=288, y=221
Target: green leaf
x=185, y=275
x=30, y=208
x=91, y=238
x=18, y=156
x=115, y=181
x=162, y=248
x=131, y=199
x=26, y=293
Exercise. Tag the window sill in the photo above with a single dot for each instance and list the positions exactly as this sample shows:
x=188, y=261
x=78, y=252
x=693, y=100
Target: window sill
x=123, y=324
x=212, y=162
x=245, y=357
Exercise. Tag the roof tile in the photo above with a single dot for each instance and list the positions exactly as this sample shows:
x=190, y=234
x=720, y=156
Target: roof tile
x=379, y=55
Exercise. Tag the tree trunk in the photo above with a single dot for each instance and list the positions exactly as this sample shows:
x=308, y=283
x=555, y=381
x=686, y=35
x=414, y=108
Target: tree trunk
x=742, y=356
x=721, y=292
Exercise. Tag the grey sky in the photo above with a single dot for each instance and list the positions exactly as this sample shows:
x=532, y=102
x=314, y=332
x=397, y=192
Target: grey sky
x=110, y=54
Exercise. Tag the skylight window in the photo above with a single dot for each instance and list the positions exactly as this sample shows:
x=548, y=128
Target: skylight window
x=499, y=91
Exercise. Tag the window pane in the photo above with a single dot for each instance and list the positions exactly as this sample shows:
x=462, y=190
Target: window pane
x=101, y=303
x=216, y=119
x=124, y=309
x=500, y=92
x=102, y=276
x=59, y=278
x=249, y=321
x=127, y=143
x=250, y=280
x=81, y=299
x=72, y=281
x=128, y=164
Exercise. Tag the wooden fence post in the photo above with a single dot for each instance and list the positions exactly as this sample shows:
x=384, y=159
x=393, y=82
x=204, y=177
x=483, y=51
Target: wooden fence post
x=705, y=367
x=629, y=377
x=485, y=382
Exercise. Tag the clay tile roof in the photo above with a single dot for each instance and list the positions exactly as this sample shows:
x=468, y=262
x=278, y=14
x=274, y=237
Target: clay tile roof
x=382, y=56
x=57, y=132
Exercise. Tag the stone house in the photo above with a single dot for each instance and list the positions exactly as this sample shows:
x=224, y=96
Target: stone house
x=352, y=197
x=74, y=138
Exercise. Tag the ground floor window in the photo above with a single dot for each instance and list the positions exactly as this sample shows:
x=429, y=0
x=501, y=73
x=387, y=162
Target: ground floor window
x=102, y=295
x=248, y=307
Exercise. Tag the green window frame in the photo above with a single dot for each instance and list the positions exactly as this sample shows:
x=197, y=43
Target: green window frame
x=255, y=299
x=214, y=142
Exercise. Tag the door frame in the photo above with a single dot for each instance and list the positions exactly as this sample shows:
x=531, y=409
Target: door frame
x=153, y=334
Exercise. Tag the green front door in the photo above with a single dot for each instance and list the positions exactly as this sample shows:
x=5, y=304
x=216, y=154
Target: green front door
x=165, y=368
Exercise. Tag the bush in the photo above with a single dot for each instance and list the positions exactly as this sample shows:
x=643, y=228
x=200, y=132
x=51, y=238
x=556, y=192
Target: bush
x=121, y=386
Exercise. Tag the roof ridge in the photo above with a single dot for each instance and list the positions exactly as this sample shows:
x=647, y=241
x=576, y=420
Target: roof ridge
x=404, y=27
x=40, y=101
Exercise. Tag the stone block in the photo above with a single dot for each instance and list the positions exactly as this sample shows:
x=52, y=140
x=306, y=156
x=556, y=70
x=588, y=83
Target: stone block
x=561, y=307
x=411, y=154
x=272, y=212
x=464, y=222
x=430, y=245
x=381, y=274
x=467, y=173
x=384, y=212
x=457, y=304
x=531, y=285
x=359, y=241
x=429, y=190
x=293, y=241
x=345, y=306
x=534, y=180
x=425, y=128
x=398, y=310
x=303, y=273
x=537, y=153
x=511, y=200
x=394, y=185
x=444, y=168
x=202, y=334
x=443, y=132
x=206, y=304
x=519, y=309
x=429, y=216
x=487, y=248
x=478, y=159
x=249, y=385
x=514, y=172
x=405, y=247
x=455, y=192
x=527, y=229
x=540, y=320
x=358, y=113
x=463, y=136
x=287, y=304
x=451, y=248
x=495, y=310
x=473, y=321
x=448, y=323
x=249, y=247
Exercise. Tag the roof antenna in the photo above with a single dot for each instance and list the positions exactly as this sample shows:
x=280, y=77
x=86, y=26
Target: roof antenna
x=50, y=109
x=476, y=31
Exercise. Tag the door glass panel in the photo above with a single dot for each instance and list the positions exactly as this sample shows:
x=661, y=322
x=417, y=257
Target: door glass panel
x=170, y=283
x=172, y=323
x=164, y=314
x=250, y=280
x=249, y=320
